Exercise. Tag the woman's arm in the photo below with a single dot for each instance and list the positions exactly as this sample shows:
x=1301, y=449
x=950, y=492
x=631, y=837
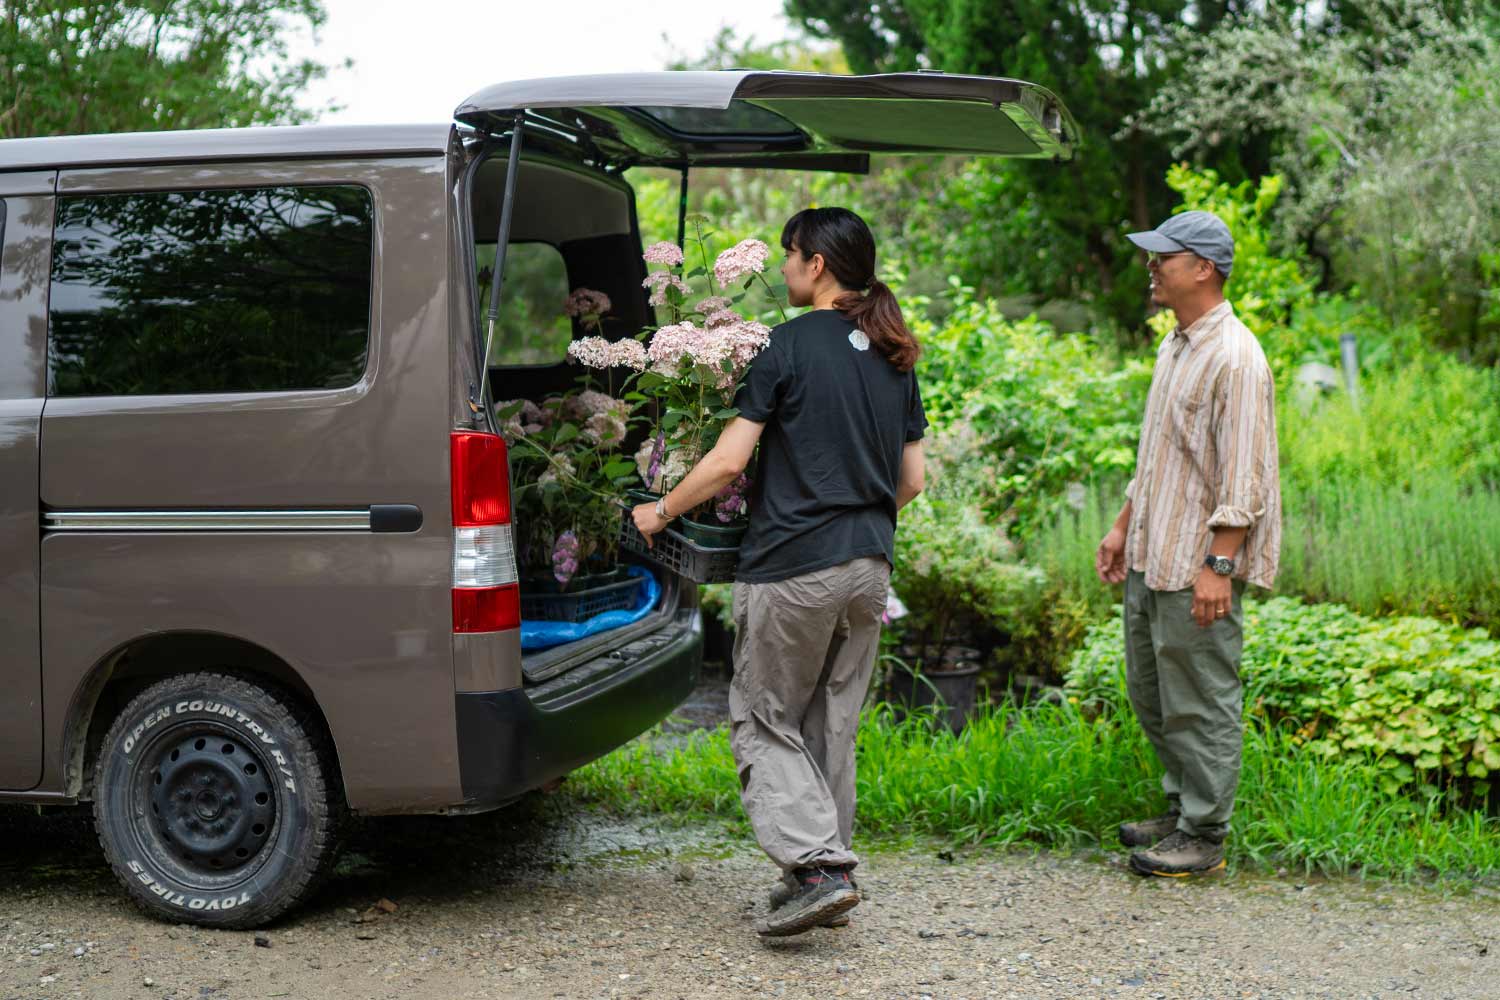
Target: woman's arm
x=913, y=473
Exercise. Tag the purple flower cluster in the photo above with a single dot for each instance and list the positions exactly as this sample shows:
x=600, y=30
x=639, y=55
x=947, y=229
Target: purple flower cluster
x=565, y=557
x=731, y=502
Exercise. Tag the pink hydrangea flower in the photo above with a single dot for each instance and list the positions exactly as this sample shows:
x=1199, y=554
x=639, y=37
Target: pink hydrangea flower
x=713, y=304
x=604, y=429
x=527, y=420
x=666, y=253
x=596, y=352
x=584, y=302
x=744, y=258
x=628, y=353
x=722, y=317
x=671, y=344
x=659, y=282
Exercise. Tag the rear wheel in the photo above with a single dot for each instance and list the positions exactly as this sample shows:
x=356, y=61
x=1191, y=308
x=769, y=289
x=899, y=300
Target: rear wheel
x=217, y=801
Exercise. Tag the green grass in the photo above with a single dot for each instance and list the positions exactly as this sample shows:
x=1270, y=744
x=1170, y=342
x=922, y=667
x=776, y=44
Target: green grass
x=1049, y=777
x=1430, y=547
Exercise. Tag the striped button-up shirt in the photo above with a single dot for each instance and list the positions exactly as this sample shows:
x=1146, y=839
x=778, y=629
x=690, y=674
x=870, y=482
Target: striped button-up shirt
x=1207, y=457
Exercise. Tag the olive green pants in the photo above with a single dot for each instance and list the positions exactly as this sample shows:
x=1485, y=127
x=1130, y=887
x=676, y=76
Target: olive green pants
x=804, y=650
x=1184, y=683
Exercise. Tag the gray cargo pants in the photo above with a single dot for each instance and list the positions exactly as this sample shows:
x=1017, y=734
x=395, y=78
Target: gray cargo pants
x=804, y=649
x=1184, y=683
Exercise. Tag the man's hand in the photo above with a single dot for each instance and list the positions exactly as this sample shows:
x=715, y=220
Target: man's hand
x=1211, y=597
x=1109, y=560
x=648, y=522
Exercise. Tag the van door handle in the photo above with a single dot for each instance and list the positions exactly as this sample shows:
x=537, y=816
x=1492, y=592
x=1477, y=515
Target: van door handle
x=386, y=517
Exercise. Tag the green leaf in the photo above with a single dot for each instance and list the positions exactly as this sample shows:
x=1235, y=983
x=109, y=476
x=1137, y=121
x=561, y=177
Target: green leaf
x=727, y=413
x=566, y=433
x=697, y=272
x=505, y=413
x=619, y=467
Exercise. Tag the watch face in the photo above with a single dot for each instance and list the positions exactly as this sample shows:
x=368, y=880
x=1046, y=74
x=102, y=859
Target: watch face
x=1223, y=566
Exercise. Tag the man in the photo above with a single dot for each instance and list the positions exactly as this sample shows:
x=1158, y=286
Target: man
x=1202, y=517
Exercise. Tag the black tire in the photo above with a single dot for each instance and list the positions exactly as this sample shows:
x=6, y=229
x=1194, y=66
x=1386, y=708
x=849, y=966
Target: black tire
x=217, y=801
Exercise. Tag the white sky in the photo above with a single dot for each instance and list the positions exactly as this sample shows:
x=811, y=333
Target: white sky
x=416, y=60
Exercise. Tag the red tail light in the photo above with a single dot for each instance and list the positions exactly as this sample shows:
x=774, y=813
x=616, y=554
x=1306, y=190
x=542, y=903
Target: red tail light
x=486, y=597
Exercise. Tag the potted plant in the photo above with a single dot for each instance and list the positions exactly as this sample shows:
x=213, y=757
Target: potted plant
x=687, y=372
x=954, y=569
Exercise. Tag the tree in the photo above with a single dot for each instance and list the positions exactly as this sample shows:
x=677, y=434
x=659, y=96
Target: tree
x=82, y=66
x=1104, y=58
x=1386, y=123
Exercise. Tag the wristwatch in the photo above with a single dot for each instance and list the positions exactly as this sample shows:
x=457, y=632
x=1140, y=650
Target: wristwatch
x=661, y=509
x=1219, y=564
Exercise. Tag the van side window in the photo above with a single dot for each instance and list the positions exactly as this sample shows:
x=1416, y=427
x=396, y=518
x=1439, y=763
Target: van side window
x=245, y=290
x=531, y=328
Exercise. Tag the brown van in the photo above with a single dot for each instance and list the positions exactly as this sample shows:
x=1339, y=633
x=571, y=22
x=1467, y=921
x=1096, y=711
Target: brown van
x=256, y=565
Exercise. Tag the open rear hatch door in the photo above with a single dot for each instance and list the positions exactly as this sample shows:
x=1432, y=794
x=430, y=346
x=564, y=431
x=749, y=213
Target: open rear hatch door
x=810, y=121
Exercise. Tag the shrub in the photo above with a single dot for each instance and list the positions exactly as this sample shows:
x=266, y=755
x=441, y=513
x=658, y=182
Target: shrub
x=1037, y=410
x=954, y=564
x=1421, y=696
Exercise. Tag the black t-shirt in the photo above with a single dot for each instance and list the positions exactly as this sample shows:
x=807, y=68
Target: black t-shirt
x=837, y=416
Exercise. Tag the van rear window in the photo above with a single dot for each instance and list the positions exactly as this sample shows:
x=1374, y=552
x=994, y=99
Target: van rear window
x=244, y=290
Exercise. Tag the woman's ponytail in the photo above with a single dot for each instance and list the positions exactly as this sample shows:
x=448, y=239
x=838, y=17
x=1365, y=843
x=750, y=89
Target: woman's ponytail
x=848, y=250
x=879, y=315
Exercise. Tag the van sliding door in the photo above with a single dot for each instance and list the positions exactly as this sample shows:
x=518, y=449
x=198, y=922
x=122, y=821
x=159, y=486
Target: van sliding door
x=25, y=241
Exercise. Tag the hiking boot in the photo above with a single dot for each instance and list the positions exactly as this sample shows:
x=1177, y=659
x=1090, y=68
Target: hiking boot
x=1146, y=832
x=1179, y=855
x=787, y=888
x=822, y=894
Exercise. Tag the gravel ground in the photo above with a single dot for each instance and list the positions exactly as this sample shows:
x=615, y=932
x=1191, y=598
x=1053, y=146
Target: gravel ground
x=539, y=901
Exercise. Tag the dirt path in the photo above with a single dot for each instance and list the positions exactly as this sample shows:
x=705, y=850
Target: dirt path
x=537, y=903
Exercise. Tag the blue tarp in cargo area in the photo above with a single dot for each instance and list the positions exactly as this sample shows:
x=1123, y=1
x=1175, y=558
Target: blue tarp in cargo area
x=544, y=635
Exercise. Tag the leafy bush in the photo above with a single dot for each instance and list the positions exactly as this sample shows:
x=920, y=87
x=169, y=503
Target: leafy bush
x=1038, y=410
x=1421, y=696
x=952, y=563
x=1416, y=422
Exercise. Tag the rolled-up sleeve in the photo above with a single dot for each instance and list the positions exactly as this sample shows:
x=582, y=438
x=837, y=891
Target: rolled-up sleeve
x=1244, y=430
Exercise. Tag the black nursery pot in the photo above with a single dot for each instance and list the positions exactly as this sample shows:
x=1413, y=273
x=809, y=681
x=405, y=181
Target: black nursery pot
x=954, y=691
x=714, y=535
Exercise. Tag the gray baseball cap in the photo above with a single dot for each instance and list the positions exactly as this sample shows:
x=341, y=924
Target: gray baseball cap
x=1204, y=233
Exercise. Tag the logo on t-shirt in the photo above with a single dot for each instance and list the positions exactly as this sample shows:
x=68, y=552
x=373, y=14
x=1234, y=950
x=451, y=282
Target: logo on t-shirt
x=859, y=340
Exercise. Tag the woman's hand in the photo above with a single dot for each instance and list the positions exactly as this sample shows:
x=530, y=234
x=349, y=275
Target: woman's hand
x=648, y=522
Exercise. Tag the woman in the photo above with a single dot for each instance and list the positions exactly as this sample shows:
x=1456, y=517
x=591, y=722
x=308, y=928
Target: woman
x=833, y=404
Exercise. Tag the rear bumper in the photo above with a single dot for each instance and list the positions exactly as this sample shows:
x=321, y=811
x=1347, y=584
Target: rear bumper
x=510, y=742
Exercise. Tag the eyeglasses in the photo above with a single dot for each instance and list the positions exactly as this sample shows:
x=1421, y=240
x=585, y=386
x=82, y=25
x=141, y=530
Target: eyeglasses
x=1154, y=259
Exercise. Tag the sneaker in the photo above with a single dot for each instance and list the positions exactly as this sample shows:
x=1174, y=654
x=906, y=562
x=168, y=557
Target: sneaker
x=1145, y=832
x=1180, y=855
x=822, y=894
x=787, y=888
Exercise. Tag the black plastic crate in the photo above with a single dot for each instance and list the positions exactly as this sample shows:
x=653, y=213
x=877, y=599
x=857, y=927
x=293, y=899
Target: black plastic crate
x=581, y=605
x=674, y=552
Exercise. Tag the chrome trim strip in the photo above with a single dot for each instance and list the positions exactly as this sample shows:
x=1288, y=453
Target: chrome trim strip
x=207, y=520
